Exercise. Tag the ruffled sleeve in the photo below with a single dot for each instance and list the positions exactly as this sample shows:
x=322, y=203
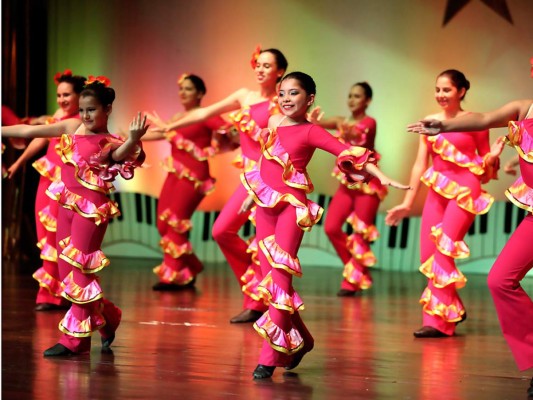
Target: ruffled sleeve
x=491, y=166
x=107, y=168
x=352, y=162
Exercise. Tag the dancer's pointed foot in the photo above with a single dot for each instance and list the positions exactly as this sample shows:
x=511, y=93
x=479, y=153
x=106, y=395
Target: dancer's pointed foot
x=263, y=371
x=246, y=315
x=58, y=350
x=429, y=332
x=530, y=390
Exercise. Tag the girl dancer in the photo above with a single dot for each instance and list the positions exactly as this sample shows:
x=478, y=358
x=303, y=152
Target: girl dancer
x=513, y=305
x=188, y=175
x=461, y=162
x=254, y=107
x=69, y=88
x=278, y=184
x=358, y=204
x=92, y=158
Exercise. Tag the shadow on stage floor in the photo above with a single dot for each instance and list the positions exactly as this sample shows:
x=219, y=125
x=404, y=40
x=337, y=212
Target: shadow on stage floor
x=180, y=345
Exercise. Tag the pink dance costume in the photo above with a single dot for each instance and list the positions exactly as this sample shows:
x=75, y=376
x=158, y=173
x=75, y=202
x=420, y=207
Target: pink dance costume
x=188, y=175
x=279, y=184
x=240, y=255
x=49, y=167
x=358, y=205
x=454, y=199
x=513, y=305
x=83, y=215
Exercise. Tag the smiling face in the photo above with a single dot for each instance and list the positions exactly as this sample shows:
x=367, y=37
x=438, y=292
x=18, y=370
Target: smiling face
x=266, y=69
x=93, y=115
x=447, y=95
x=190, y=97
x=357, y=100
x=293, y=100
x=67, y=99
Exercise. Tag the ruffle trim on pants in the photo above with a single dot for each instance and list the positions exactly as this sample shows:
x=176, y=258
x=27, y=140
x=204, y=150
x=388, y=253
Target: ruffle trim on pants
x=252, y=249
x=88, y=263
x=48, y=253
x=81, y=295
x=48, y=220
x=447, y=246
x=439, y=276
x=278, y=297
x=48, y=282
x=355, y=274
x=279, y=258
x=307, y=215
x=453, y=312
x=462, y=194
x=285, y=342
x=178, y=225
x=175, y=167
x=173, y=249
x=368, y=232
x=72, y=201
x=167, y=274
x=72, y=326
x=250, y=285
x=360, y=250
x=521, y=195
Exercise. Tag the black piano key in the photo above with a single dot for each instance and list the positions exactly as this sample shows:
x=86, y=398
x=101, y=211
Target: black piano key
x=322, y=203
x=472, y=229
x=138, y=208
x=392, y=237
x=404, y=233
x=148, y=209
x=116, y=197
x=206, y=229
x=521, y=214
x=247, y=228
x=483, y=223
x=507, y=224
x=348, y=229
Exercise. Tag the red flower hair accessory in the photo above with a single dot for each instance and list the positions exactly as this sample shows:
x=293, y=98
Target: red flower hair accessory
x=255, y=56
x=182, y=77
x=58, y=75
x=98, y=79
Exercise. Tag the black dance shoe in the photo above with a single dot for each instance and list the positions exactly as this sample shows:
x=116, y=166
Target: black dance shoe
x=429, y=332
x=246, y=316
x=57, y=350
x=106, y=343
x=346, y=293
x=51, y=307
x=263, y=371
x=530, y=390
x=171, y=287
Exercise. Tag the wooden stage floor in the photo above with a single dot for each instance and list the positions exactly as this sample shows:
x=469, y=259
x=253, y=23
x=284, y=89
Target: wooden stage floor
x=181, y=345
